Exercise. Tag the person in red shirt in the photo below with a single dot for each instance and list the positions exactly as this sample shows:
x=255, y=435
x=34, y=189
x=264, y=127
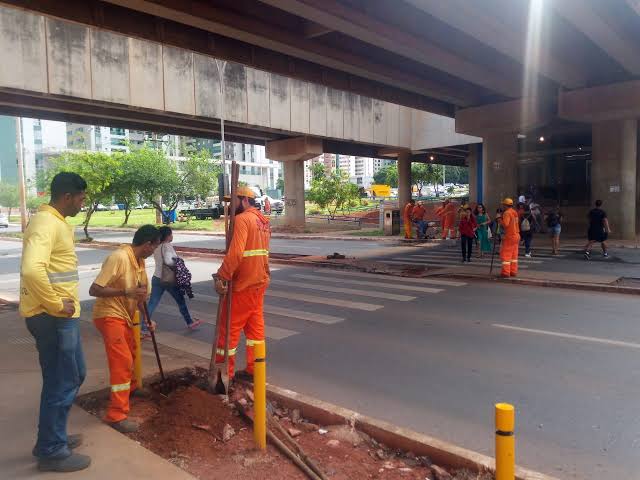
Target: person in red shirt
x=418, y=214
x=467, y=228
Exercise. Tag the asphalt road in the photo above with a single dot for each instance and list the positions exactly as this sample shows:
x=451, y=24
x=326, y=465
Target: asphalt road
x=437, y=360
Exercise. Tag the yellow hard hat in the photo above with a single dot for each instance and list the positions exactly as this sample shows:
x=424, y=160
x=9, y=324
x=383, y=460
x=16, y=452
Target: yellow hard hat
x=245, y=192
x=508, y=201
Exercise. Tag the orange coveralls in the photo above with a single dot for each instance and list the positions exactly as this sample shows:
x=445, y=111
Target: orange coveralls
x=247, y=265
x=510, y=242
x=407, y=216
x=447, y=215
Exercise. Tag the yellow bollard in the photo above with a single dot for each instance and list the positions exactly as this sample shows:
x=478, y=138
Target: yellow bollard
x=137, y=361
x=505, y=442
x=260, y=395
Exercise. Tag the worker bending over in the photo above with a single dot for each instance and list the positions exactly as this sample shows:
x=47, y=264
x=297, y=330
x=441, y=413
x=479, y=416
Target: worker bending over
x=407, y=216
x=121, y=288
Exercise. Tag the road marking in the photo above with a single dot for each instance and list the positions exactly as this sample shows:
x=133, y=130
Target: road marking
x=441, y=257
x=275, y=333
x=285, y=312
x=453, y=263
x=414, y=288
x=409, y=263
x=186, y=344
x=395, y=278
x=368, y=307
x=617, y=343
x=350, y=291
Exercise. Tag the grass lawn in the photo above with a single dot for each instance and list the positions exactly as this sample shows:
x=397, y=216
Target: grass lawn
x=367, y=233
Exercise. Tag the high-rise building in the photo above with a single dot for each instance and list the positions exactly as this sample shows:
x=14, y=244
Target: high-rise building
x=360, y=170
x=32, y=150
x=8, y=152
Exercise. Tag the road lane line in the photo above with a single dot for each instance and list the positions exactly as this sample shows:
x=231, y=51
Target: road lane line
x=285, y=312
x=367, y=307
x=606, y=341
x=394, y=278
x=380, y=284
x=350, y=291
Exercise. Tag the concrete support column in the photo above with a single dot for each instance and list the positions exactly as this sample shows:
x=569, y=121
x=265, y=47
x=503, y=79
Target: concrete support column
x=294, y=193
x=404, y=178
x=500, y=169
x=614, y=173
x=474, y=161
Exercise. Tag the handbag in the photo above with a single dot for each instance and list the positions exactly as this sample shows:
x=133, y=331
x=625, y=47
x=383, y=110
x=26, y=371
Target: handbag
x=489, y=233
x=168, y=275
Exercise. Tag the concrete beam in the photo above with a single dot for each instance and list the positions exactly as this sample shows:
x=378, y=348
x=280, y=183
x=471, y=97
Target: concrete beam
x=513, y=116
x=294, y=149
x=475, y=20
x=608, y=102
x=313, y=30
x=333, y=14
x=602, y=31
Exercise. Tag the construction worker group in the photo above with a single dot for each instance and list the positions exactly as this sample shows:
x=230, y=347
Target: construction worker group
x=49, y=301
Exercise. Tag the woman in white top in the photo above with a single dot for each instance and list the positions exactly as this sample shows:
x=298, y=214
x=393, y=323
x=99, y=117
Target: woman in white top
x=165, y=255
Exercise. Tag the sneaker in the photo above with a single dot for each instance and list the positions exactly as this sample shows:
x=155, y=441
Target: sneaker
x=528, y=255
x=587, y=255
x=125, y=426
x=73, y=441
x=72, y=463
x=605, y=255
x=243, y=375
x=194, y=325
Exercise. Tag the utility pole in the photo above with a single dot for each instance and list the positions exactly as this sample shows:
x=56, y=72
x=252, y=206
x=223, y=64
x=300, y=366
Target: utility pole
x=21, y=182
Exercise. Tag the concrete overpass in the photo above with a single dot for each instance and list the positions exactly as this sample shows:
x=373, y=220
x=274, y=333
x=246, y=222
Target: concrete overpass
x=495, y=69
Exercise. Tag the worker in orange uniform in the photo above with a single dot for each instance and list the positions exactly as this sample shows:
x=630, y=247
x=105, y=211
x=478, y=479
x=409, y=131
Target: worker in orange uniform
x=447, y=214
x=121, y=288
x=407, y=216
x=510, y=223
x=418, y=218
x=246, y=264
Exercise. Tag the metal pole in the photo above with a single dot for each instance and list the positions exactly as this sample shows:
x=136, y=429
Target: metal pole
x=222, y=65
x=21, y=181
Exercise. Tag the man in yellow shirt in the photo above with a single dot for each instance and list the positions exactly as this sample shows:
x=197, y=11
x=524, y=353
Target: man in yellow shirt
x=49, y=303
x=121, y=287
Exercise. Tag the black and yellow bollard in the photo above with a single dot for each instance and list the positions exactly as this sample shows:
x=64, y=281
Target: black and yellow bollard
x=505, y=442
x=137, y=361
x=260, y=395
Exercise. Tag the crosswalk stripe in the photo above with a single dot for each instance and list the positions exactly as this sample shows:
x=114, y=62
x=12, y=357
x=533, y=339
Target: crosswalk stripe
x=456, y=256
x=275, y=333
x=351, y=291
x=409, y=261
x=427, y=281
x=368, y=307
x=286, y=312
x=380, y=284
x=186, y=344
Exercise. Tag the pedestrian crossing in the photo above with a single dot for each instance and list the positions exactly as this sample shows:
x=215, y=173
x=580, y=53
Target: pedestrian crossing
x=299, y=300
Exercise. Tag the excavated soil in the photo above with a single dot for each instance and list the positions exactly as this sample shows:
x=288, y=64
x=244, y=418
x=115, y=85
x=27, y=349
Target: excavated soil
x=207, y=437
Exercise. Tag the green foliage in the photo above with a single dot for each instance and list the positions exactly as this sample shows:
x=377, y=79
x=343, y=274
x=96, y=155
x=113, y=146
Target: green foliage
x=423, y=174
x=332, y=192
x=387, y=176
x=280, y=185
x=33, y=202
x=458, y=175
x=9, y=197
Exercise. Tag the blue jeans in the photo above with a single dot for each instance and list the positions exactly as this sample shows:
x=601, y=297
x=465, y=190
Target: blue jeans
x=63, y=371
x=422, y=228
x=157, y=289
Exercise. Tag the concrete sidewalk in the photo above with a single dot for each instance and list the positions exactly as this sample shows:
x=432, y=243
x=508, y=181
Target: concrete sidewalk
x=113, y=454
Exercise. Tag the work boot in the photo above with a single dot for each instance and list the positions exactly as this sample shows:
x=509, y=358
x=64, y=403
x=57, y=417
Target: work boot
x=244, y=376
x=125, y=426
x=73, y=441
x=139, y=393
x=72, y=463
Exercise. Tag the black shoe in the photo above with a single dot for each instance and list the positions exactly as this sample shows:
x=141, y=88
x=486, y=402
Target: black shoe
x=139, y=393
x=72, y=463
x=468, y=260
x=73, y=441
x=125, y=426
x=244, y=376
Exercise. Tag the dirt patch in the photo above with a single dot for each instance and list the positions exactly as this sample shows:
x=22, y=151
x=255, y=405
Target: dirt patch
x=206, y=436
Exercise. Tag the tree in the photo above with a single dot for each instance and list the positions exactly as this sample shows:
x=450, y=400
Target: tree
x=126, y=184
x=100, y=171
x=387, y=176
x=332, y=192
x=280, y=185
x=9, y=196
x=423, y=174
x=458, y=175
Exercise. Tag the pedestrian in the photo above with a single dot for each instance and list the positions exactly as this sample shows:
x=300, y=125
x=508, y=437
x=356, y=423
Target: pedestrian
x=164, y=279
x=483, y=231
x=407, y=216
x=267, y=206
x=554, y=223
x=509, y=224
x=467, y=228
x=526, y=230
x=246, y=264
x=121, y=288
x=599, y=230
x=418, y=214
x=50, y=304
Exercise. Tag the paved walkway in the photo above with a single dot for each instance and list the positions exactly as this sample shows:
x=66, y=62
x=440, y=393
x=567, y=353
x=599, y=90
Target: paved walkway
x=113, y=455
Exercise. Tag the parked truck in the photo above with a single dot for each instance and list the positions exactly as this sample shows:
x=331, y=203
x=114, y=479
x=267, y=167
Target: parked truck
x=210, y=208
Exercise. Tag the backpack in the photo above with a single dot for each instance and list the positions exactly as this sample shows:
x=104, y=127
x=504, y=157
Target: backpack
x=525, y=226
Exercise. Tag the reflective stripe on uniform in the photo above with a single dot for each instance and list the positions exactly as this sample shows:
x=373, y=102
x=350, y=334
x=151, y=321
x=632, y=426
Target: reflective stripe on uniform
x=61, y=277
x=121, y=387
x=256, y=253
x=251, y=343
x=508, y=262
x=514, y=261
x=220, y=351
